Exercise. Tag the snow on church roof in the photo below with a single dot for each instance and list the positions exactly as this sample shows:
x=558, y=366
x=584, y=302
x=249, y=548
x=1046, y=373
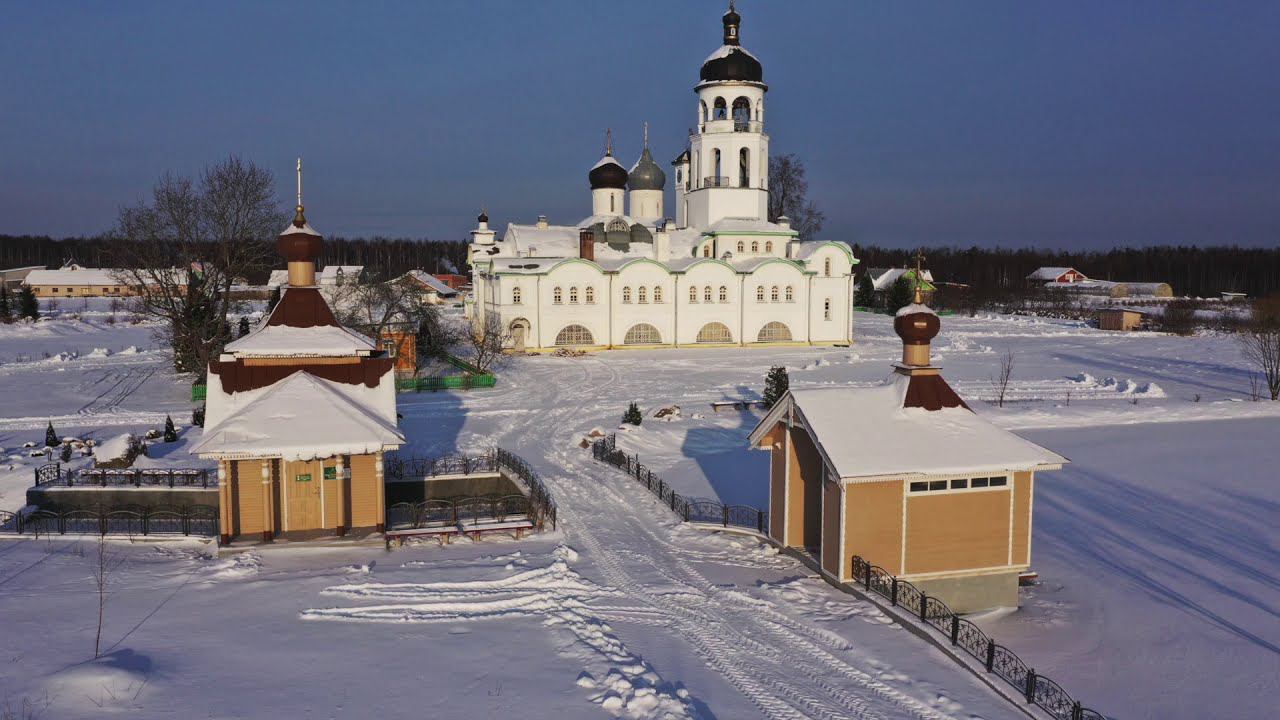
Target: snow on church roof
x=725, y=51
x=883, y=439
x=289, y=341
x=302, y=417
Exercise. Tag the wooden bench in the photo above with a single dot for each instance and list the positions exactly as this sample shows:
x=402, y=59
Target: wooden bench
x=440, y=532
x=516, y=524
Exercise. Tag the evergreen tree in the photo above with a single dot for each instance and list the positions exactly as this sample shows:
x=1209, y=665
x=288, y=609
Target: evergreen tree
x=66, y=453
x=900, y=295
x=865, y=296
x=170, y=433
x=6, y=310
x=275, y=298
x=632, y=415
x=776, y=384
x=28, y=305
x=51, y=436
x=244, y=326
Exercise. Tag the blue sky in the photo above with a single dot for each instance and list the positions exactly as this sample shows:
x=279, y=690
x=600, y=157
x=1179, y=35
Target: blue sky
x=1018, y=123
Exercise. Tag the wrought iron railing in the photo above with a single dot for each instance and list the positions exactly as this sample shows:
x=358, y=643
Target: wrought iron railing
x=540, y=507
x=998, y=659
x=131, y=520
x=463, y=511
x=52, y=474
x=605, y=449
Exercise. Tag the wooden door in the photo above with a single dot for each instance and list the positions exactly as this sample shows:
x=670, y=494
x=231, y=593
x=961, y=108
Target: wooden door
x=517, y=336
x=304, y=480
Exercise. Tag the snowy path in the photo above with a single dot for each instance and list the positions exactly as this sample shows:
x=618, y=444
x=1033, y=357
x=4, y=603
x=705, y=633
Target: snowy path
x=784, y=666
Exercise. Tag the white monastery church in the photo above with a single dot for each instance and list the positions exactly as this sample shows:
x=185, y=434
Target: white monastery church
x=628, y=275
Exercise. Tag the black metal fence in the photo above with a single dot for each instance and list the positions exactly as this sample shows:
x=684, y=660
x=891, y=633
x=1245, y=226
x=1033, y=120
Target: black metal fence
x=196, y=520
x=606, y=449
x=998, y=659
x=537, y=502
x=52, y=474
x=397, y=467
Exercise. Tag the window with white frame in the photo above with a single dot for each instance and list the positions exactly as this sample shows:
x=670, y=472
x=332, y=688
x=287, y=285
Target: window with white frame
x=657, y=293
x=693, y=293
x=759, y=293
x=706, y=294
x=978, y=483
x=791, y=294
x=826, y=309
x=590, y=294
x=773, y=293
x=515, y=296
x=557, y=295
x=573, y=295
x=642, y=295
x=724, y=294
x=626, y=295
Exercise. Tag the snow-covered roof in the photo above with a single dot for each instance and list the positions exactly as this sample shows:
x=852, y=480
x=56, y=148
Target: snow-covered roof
x=725, y=50
x=435, y=284
x=914, y=308
x=76, y=276
x=288, y=341
x=606, y=160
x=888, y=277
x=302, y=417
x=885, y=440
x=1051, y=273
x=561, y=241
x=731, y=225
x=306, y=229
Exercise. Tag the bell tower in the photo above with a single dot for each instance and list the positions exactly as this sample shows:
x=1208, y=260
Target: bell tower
x=728, y=148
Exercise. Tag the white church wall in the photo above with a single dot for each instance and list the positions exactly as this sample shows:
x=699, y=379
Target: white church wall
x=647, y=307
x=568, y=282
x=693, y=316
x=789, y=306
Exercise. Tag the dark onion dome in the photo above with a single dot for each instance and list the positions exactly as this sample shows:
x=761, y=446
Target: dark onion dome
x=483, y=217
x=731, y=61
x=646, y=175
x=608, y=174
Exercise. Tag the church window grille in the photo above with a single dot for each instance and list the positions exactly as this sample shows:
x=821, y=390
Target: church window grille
x=693, y=293
x=515, y=296
x=557, y=295
x=642, y=334
x=573, y=295
x=626, y=295
x=791, y=294
x=773, y=293
x=642, y=295
x=774, y=332
x=759, y=293
x=657, y=293
x=714, y=332
x=724, y=294
x=590, y=295
x=574, y=335
x=706, y=294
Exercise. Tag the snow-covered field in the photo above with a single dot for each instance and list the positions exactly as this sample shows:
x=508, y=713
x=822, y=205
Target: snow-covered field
x=1158, y=550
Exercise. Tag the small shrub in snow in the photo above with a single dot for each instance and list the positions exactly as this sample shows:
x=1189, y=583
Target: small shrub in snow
x=66, y=453
x=170, y=433
x=51, y=436
x=197, y=416
x=632, y=416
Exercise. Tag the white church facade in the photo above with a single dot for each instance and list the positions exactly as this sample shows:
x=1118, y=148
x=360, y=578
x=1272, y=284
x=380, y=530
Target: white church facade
x=719, y=273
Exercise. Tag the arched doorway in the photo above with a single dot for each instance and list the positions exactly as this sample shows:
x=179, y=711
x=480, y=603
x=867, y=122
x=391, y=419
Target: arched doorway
x=574, y=335
x=774, y=332
x=519, y=333
x=642, y=334
x=715, y=332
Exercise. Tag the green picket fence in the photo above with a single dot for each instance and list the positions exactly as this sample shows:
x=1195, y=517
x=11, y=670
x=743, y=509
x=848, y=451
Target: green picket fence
x=198, y=393
x=470, y=378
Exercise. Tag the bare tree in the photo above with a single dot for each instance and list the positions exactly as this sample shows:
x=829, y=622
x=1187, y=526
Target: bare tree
x=182, y=252
x=101, y=578
x=488, y=341
x=1260, y=342
x=372, y=307
x=787, y=196
x=1000, y=383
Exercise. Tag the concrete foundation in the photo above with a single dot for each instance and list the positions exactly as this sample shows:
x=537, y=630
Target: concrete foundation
x=973, y=593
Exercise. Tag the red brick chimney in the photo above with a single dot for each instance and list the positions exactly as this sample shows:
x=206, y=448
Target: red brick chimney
x=587, y=245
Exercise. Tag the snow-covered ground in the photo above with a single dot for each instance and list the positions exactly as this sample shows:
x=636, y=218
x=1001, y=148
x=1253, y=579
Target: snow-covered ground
x=1157, y=549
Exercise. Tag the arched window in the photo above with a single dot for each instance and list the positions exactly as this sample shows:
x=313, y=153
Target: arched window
x=720, y=111
x=642, y=334
x=826, y=267
x=573, y=295
x=575, y=335
x=515, y=296
x=642, y=294
x=706, y=250
x=724, y=294
x=826, y=309
x=742, y=247
x=626, y=295
x=693, y=293
x=755, y=246
x=760, y=110
x=702, y=110
x=741, y=113
x=791, y=294
x=768, y=246
x=774, y=332
x=557, y=296
x=744, y=168
x=611, y=203
x=773, y=293
x=714, y=333
x=657, y=293
x=706, y=294
x=591, y=295
x=759, y=293
x=716, y=181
